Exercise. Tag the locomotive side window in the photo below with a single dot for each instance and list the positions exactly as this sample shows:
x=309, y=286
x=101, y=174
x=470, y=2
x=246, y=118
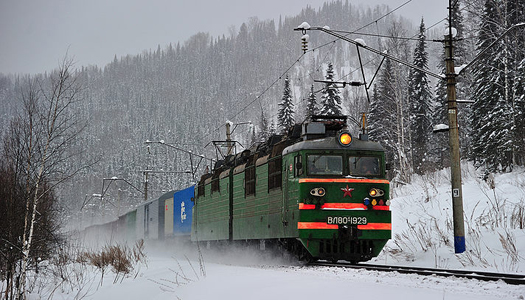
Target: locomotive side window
x=325, y=165
x=364, y=166
x=249, y=181
x=275, y=173
x=298, y=162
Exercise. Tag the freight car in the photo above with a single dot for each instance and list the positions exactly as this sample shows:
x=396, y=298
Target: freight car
x=168, y=216
x=316, y=192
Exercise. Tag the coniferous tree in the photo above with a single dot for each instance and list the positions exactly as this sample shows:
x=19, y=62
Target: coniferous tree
x=375, y=117
x=286, y=107
x=419, y=100
x=519, y=132
x=330, y=99
x=517, y=16
x=496, y=101
x=311, y=105
x=381, y=119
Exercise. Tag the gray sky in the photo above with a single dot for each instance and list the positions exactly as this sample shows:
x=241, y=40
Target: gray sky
x=36, y=34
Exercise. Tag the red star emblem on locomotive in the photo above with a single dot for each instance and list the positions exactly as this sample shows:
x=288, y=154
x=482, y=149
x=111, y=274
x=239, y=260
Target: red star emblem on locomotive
x=347, y=190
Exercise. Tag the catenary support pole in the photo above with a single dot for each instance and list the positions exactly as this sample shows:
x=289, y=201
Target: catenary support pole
x=228, y=139
x=455, y=164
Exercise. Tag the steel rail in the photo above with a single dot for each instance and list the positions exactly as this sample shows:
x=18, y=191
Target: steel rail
x=516, y=279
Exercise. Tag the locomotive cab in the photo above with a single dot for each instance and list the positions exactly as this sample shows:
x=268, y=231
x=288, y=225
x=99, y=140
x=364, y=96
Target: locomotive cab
x=341, y=191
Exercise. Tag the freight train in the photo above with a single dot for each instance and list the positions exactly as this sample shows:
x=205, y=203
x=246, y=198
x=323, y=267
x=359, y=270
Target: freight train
x=167, y=217
x=316, y=192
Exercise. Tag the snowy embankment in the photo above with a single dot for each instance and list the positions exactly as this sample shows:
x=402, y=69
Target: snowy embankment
x=494, y=212
x=422, y=236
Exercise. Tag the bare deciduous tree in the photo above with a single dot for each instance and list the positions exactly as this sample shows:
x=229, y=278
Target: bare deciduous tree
x=35, y=158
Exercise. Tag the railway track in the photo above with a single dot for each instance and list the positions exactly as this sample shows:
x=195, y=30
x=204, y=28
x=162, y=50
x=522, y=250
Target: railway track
x=516, y=279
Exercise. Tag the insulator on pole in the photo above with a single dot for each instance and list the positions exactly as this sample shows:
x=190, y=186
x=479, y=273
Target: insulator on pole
x=304, y=41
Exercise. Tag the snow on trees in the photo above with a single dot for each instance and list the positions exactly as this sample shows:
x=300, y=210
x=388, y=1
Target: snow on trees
x=286, y=107
x=330, y=98
x=498, y=117
x=311, y=104
x=39, y=147
x=420, y=104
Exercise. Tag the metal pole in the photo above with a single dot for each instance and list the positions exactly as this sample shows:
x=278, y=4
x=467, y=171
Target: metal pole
x=146, y=186
x=228, y=139
x=455, y=165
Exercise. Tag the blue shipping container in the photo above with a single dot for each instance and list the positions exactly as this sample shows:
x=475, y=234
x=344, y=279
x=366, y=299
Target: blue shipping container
x=182, y=208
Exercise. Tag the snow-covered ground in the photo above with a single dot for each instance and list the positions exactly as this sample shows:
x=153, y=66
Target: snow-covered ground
x=422, y=236
x=494, y=212
x=160, y=281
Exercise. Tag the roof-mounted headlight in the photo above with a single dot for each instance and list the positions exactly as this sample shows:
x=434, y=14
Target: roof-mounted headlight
x=345, y=138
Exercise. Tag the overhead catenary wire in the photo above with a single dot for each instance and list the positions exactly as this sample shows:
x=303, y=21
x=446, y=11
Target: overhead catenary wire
x=296, y=61
x=332, y=43
x=390, y=37
x=360, y=28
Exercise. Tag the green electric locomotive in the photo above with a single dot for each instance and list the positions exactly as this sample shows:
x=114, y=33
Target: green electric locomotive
x=317, y=192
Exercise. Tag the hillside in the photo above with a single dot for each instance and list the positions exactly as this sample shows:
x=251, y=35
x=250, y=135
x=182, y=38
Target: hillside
x=185, y=92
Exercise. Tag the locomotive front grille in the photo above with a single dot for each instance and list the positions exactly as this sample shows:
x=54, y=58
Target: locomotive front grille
x=339, y=248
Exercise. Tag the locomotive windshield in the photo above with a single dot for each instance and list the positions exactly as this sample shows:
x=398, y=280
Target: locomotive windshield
x=364, y=166
x=325, y=165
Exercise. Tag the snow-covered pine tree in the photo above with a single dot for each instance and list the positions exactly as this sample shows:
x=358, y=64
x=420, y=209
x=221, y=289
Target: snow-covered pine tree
x=517, y=16
x=494, y=111
x=519, y=132
x=419, y=100
x=286, y=107
x=330, y=99
x=311, y=104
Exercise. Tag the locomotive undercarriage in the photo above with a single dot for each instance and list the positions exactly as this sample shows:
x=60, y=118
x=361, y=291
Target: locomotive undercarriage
x=331, y=250
x=343, y=245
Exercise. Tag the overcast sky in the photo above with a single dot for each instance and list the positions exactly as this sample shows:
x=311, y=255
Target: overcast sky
x=36, y=34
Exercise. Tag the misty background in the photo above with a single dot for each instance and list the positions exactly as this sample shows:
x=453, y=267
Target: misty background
x=35, y=35
x=175, y=75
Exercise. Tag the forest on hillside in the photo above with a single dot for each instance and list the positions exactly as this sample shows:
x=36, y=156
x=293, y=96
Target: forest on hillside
x=183, y=94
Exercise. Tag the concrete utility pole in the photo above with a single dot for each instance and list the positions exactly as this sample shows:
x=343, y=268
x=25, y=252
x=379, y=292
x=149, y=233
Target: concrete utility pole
x=455, y=167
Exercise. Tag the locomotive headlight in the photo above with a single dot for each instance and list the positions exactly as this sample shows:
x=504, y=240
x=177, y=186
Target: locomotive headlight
x=319, y=192
x=376, y=192
x=345, y=138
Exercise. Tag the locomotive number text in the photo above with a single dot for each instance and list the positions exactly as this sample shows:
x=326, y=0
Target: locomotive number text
x=347, y=220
